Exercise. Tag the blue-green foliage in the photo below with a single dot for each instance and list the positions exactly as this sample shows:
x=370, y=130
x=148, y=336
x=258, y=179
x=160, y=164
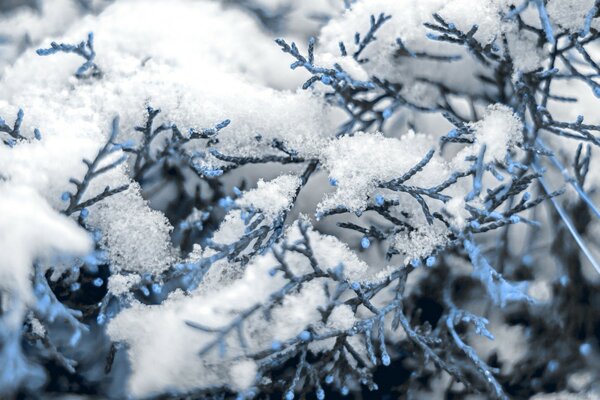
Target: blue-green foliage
x=431, y=315
x=84, y=49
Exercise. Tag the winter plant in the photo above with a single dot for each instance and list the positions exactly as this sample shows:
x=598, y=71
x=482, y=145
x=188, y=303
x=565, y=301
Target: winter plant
x=409, y=212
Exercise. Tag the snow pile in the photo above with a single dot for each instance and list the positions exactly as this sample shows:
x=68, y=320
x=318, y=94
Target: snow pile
x=406, y=24
x=30, y=230
x=358, y=164
x=196, y=83
x=499, y=130
x=271, y=198
x=174, y=364
x=146, y=248
x=571, y=14
x=254, y=259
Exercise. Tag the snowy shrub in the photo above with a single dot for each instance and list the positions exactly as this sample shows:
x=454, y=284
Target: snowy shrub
x=408, y=212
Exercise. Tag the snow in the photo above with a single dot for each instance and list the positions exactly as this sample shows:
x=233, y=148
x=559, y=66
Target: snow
x=174, y=363
x=299, y=310
x=359, y=163
x=146, y=248
x=25, y=26
x=331, y=252
x=243, y=374
x=422, y=242
x=37, y=328
x=486, y=14
x=570, y=14
x=408, y=17
x=120, y=284
x=155, y=58
x=31, y=230
x=500, y=130
x=341, y=317
x=167, y=56
x=456, y=209
x=273, y=197
x=527, y=56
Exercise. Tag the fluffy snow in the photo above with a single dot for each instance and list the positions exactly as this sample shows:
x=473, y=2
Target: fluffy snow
x=500, y=130
x=243, y=374
x=144, y=249
x=270, y=199
x=358, y=163
x=167, y=56
x=119, y=284
x=299, y=310
x=456, y=209
x=273, y=197
x=174, y=362
x=341, y=317
x=31, y=230
x=156, y=58
x=570, y=14
x=408, y=17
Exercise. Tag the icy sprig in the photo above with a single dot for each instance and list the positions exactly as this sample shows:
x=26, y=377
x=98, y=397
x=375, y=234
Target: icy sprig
x=516, y=164
x=148, y=157
x=76, y=202
x=326, y=354
x=14, y=132
x=85, y=49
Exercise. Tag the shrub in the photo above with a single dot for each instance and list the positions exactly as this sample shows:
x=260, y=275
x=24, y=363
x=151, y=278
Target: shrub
x=410, y=212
